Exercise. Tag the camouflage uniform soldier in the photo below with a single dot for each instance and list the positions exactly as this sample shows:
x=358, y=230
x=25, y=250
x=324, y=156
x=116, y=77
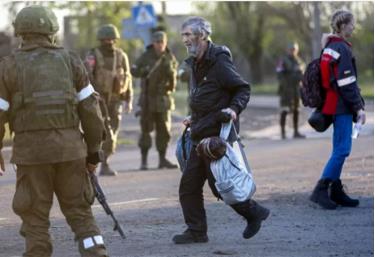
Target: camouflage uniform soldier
x=157, y=68
x=46, y=96
x=110, y=74
x=289, y=70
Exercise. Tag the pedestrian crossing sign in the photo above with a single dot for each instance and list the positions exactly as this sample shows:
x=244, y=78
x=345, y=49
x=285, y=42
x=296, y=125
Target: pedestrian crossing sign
x=144, y=15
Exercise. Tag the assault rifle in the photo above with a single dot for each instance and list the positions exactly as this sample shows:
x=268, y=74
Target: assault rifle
x=102, y=200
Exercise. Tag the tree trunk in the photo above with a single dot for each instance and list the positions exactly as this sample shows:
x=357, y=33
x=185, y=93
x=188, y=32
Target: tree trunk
x=256, y=68
x=316, y=46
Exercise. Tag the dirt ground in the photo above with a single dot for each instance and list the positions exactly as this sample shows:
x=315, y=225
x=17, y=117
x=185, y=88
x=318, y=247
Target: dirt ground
x=146, y=202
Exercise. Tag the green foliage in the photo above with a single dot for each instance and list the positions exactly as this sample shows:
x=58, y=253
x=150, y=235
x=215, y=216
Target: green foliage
x=260, y=43
x=88, y=16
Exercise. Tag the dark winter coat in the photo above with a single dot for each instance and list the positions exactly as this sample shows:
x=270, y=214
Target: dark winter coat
x=214, y=85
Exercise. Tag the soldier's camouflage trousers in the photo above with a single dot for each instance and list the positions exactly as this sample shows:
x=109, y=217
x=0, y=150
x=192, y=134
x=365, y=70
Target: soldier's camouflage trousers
x=112, y=125
x=161, y=121
x=33, y=198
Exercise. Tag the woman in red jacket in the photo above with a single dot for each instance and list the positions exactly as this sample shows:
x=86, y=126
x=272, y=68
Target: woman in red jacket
x=344, y=102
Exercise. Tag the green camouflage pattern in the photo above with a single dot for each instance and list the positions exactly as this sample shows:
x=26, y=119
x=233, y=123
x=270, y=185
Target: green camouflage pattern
x=110, y=73
x=155, y=100
x=289, y=81
x=157, y=88
x=113, y=115
x=36, y=19
x=107, y=31
x=33, y=199
x=48, y=105
x=161, y=123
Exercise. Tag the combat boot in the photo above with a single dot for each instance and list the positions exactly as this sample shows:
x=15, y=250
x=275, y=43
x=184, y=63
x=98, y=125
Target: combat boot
x=105, y=170
x=282, y=123
x=320, y=195
x=254, y=214
x=339, y=196
x=295, y=124
x=189, y=237
x=144, y=165
x=165, y=163
x=298, y=135
x=283, y=136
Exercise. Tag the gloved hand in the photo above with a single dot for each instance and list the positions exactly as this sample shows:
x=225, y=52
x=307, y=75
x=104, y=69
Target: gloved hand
x=361, y=116
x=2, y=165
x=232, y=113
x=93, y=159
x=91, y=167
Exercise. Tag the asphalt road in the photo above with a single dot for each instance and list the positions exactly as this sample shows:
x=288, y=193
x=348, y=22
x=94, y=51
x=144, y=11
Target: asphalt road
x=146, y=202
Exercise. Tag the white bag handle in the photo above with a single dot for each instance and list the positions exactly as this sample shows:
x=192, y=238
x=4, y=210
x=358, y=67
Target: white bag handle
x=225, y=130
x=224, y=134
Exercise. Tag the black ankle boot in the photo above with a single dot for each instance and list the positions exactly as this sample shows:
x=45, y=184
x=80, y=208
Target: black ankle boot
x=189, y=237
x=282, y=123
x=165, y=163
x=320, y=195
x=254, y=214
x=339, y=196
x=298, y=135
x=144, y=165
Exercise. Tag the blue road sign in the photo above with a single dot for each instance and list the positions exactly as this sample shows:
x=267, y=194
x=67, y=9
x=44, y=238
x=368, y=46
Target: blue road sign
x=144, y=16
x=129, y=29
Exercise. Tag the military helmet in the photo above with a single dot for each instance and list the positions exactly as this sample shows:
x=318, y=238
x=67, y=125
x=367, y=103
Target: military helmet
x=36, y=19
x=108, y=31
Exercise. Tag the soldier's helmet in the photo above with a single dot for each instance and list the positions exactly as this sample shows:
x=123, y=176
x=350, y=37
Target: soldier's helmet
x=108, y=31
x=36, y=19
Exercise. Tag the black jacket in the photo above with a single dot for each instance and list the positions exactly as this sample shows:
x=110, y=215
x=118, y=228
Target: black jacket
x=214, y=85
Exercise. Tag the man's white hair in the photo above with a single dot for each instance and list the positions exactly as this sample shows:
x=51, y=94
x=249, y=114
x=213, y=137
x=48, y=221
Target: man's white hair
x=199, y=26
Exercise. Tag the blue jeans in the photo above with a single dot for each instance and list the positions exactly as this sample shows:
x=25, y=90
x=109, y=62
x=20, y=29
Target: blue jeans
x=342, y=145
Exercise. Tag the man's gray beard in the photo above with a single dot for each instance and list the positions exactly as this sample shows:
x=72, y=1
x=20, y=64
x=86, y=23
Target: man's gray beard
x=192, y=51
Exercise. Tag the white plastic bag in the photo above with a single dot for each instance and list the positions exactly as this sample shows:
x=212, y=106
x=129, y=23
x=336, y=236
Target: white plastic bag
x=234, y=181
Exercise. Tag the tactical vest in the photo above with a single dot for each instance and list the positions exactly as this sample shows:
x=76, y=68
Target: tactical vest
x=46, y=98
x=109, y=81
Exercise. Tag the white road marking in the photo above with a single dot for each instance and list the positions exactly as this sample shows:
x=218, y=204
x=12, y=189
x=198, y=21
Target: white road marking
x=128, y=202
x=3, y=219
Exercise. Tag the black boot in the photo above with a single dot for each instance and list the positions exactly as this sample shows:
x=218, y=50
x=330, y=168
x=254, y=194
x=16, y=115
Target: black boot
x=254, y=214
x=282, y=123
x=320, y=195
x=105, y=170
x=295, y=124
x=144, y=165
x=339, y=196
x=165, y=163
x=190, y=236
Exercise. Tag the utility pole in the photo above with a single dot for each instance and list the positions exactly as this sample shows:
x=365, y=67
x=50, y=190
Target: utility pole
x=163, y=8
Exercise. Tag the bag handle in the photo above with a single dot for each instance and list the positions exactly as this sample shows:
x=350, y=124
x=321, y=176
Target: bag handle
x=224, y=134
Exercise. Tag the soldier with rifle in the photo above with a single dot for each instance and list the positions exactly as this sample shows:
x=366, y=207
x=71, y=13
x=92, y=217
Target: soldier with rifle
x=109, y=72
x=46, y=96
x=157, y=67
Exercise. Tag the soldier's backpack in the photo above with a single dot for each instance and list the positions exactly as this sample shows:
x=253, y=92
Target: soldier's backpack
x=311, y=91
